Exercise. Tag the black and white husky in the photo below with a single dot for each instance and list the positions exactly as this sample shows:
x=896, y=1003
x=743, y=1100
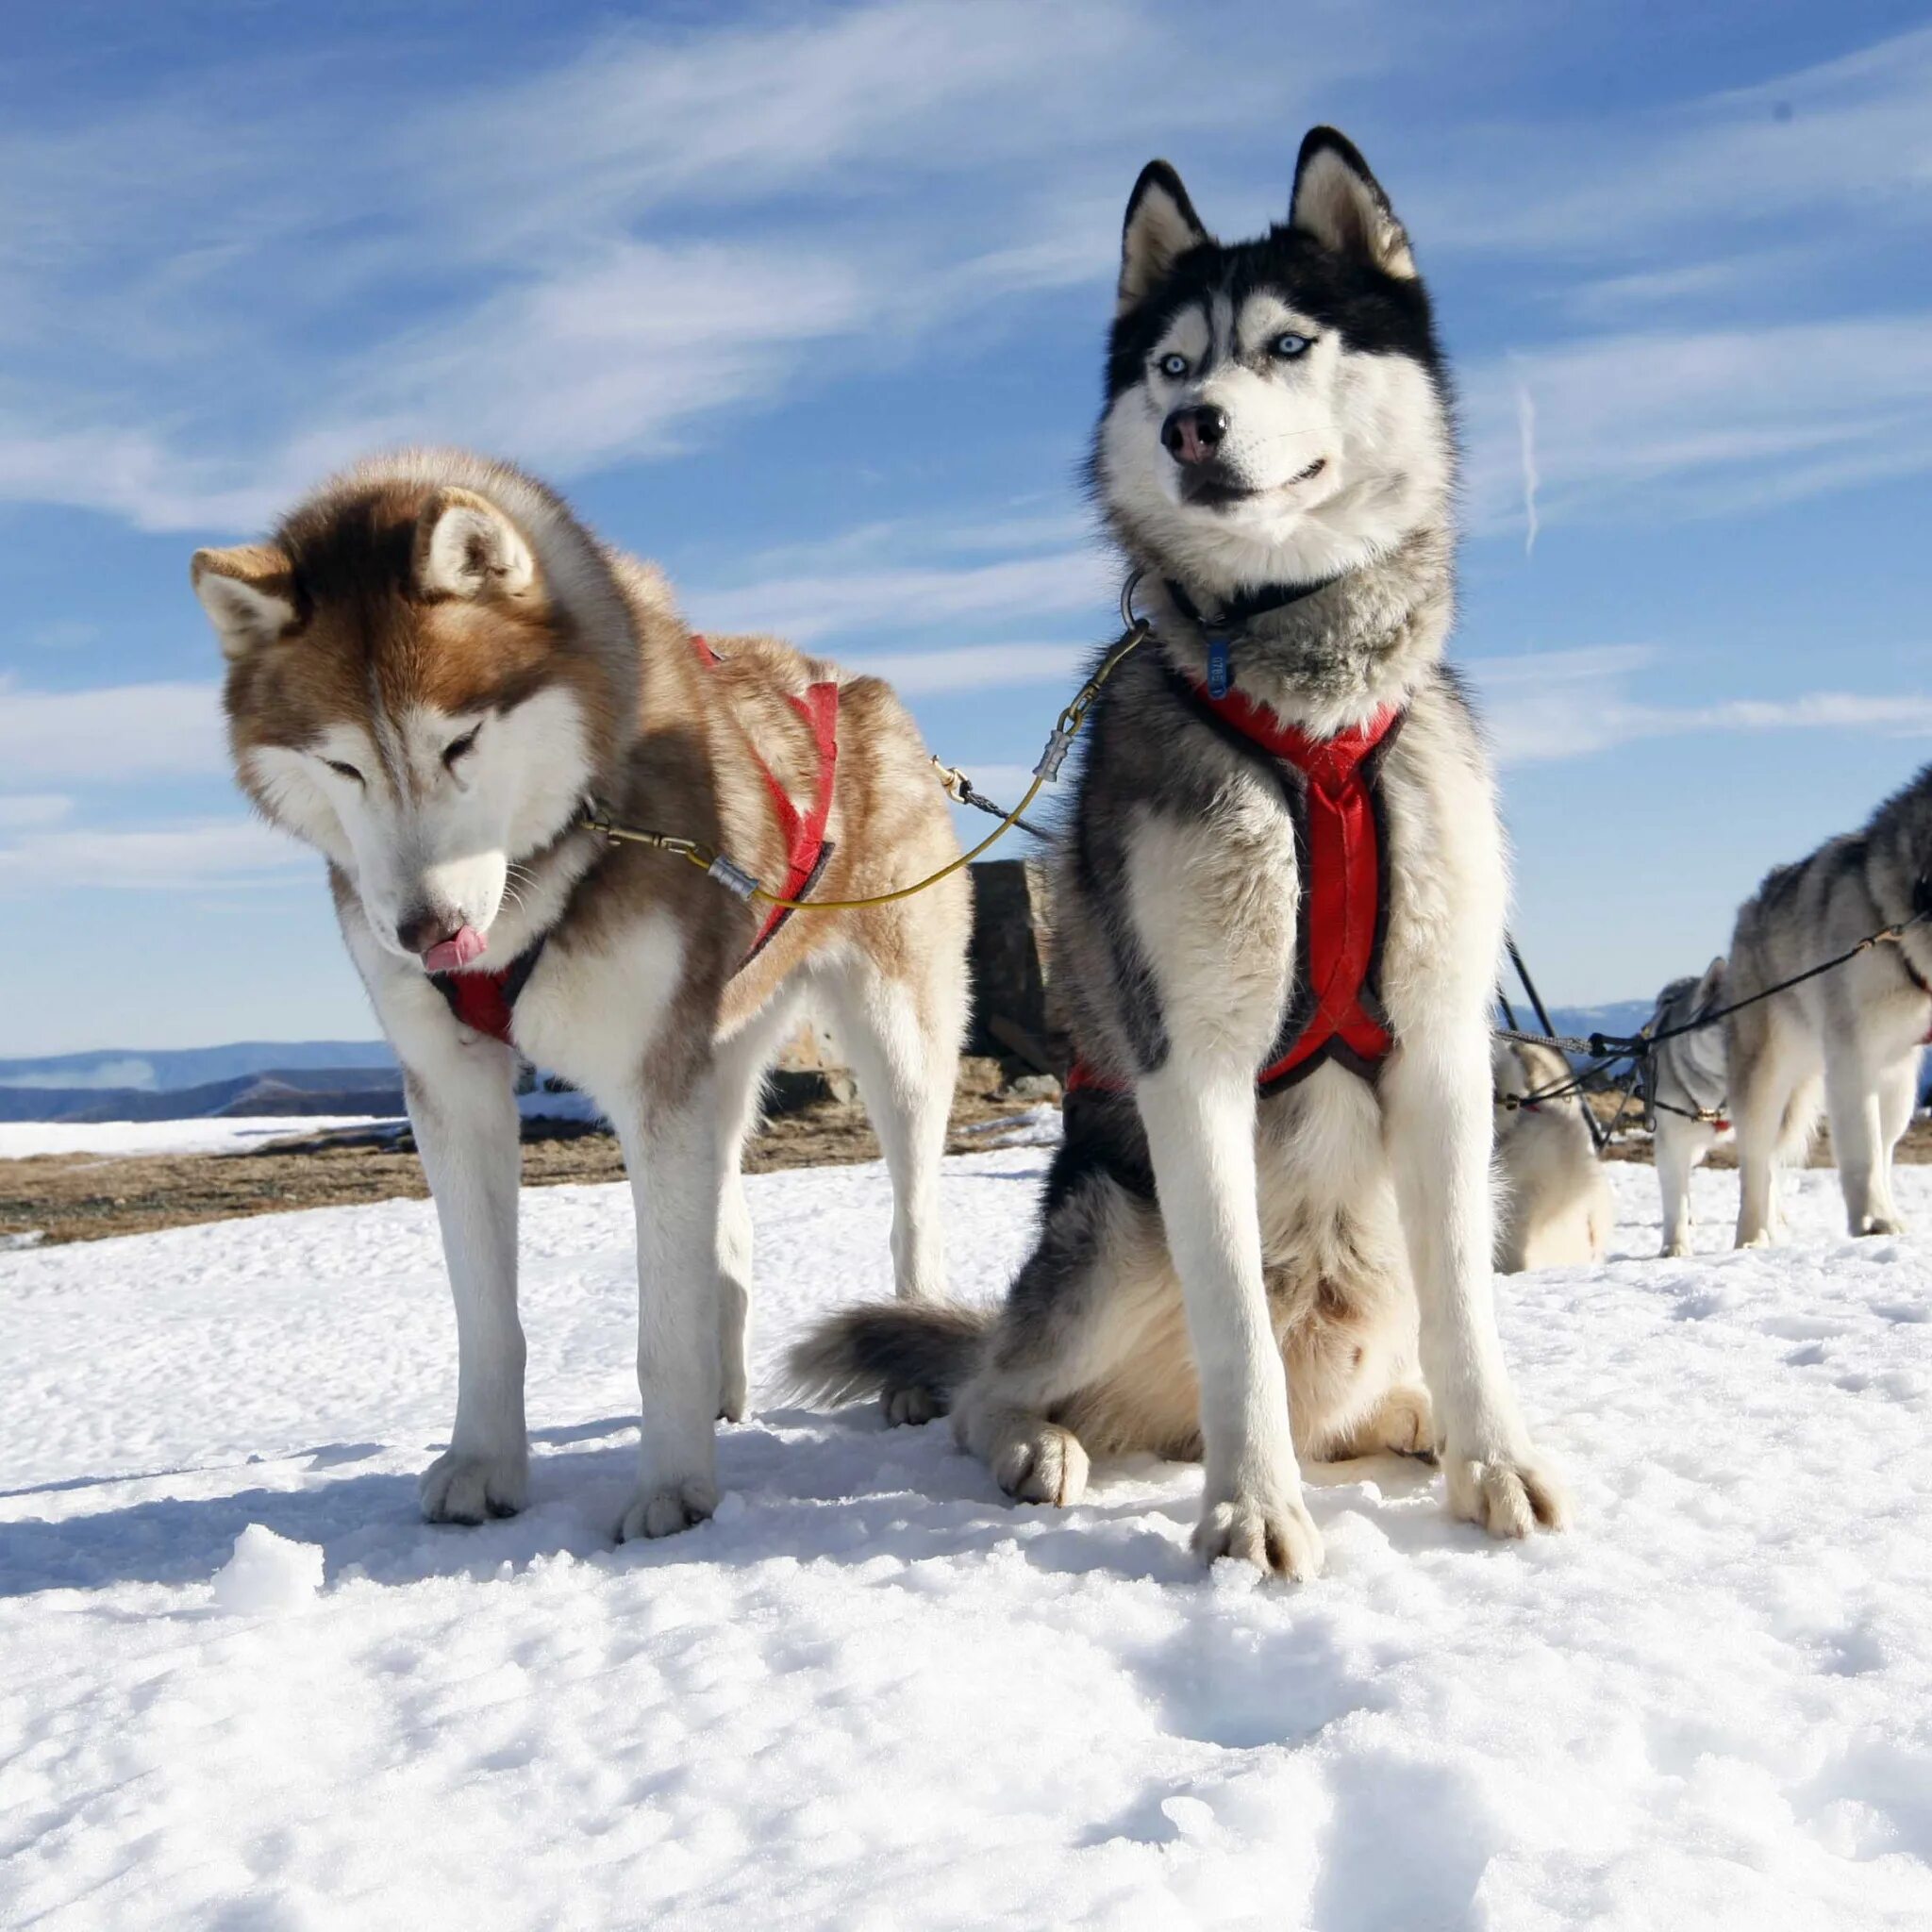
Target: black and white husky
x=1278, y=913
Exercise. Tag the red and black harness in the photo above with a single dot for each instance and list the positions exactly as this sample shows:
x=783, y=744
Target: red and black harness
x=486, y=1001
x=1332, y=790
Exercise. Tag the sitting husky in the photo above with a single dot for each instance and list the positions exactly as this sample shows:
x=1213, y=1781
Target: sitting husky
x=1555, y=1209
x=1853, y=1032
x=1278, y=909
x=432, y=668
x=1684, y=1089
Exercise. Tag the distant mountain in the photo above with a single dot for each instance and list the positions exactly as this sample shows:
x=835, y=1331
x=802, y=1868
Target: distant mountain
x=173, y=1070
x=279, y=1090
x=1617, y=1017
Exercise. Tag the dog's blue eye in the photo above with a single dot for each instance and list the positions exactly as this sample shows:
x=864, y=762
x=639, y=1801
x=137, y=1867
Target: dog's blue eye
x=1290, y=346
x=1175, y=366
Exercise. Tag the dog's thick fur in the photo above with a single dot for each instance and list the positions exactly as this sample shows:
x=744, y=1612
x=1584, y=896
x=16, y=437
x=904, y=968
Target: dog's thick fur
x=1851, y=1038
x=1556, y=1208
x=432, y=665
x=1685, y=1076
x=1216, y=1277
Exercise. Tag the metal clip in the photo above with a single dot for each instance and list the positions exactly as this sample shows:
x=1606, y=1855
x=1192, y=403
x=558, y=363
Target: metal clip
x=734, y=878
x=1055, y=755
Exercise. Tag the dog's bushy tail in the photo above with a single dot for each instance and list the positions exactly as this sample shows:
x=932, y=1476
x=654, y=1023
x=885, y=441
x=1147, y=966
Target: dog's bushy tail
x=931, y=1346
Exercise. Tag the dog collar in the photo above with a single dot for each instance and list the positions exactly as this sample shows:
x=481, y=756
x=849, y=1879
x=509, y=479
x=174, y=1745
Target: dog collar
x=1237, y=613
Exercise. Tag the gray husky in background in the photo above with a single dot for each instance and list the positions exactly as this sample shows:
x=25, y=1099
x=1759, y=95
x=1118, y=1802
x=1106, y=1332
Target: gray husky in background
x=1555, y=1209
x=1272, y=1199
x=1685, y=1085
x=1852, y=1035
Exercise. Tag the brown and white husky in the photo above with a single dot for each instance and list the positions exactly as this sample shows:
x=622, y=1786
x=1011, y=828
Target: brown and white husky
x=432, y=668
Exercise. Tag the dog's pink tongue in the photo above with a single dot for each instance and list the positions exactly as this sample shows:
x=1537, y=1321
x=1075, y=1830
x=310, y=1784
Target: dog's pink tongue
x=452, y=955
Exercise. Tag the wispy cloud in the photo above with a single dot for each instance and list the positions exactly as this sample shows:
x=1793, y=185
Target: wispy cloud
x=1544, y=707
x=865, y=600
x=112, y=736
x=203, y=854
x=1702, y=422
x=22, y=811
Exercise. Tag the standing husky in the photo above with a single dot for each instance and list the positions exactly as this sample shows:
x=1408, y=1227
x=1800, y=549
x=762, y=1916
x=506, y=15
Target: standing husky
x=1684, y=1087
x=1557, y=1209
x=432, y=667
x=1853, y=1033
x=1277, y=918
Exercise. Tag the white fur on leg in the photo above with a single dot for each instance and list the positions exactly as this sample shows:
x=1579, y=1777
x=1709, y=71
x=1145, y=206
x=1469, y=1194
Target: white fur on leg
x=1681, y=1147
x=672, y=1153
x=1201, y=1132
x=1435, y=1094
x=464, y=1111
x=905, y=1070
x=1034, y=1460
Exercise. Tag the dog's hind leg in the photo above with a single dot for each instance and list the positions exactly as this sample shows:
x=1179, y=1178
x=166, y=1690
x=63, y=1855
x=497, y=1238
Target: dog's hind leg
x=744, y=1061
x=1898, y=1096
x=1678, y=1151
x=1764, y=1094
x=901, y=1030
x=1853, y=1107
x=1080, y=1348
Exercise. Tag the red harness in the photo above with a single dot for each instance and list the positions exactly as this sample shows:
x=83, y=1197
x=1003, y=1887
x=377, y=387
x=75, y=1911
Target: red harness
x=1336, y=1013
x=486, y=1001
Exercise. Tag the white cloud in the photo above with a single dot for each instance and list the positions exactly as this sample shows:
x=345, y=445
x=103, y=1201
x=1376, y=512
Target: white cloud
x=22, y=811
x=813, y=606
x=110, y=736
x=972, y=667
x=209, y=853
x=1549, y=705
x=1702, y=423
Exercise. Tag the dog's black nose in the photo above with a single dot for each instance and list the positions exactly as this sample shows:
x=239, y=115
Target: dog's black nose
x=419, y=930
x=1192, y=435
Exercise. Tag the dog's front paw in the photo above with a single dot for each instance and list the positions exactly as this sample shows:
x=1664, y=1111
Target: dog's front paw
x=1278, y=1536
x=663, y=1508
x=1675, y=1249
x=457, y=1487
x=1508, y=1494
x=1877, y=1223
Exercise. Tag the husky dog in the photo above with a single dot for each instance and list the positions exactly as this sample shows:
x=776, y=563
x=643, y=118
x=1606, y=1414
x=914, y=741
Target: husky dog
x=1851, y=1035
x=1278, y=911
x=431, y=667
x=1555, y=1209
x=1684, y=1089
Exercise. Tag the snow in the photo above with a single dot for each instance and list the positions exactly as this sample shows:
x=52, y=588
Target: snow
x=218, y=1136
x=871, y=1694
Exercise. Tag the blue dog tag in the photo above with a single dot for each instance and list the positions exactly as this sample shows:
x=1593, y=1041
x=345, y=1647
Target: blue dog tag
x=1219, y=676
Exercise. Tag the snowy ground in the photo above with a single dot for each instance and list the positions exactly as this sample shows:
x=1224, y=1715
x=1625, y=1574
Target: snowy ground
x=20, y=1138
x=871, y=1695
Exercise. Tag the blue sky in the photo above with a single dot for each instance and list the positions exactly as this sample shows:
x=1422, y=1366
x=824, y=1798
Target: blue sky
x=809, y=303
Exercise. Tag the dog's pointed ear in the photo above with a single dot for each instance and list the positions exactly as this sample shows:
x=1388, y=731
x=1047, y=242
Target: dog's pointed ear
x=466, y=548
x=1161, y=226
x=1713, y=979
x=248, y=592
x=1339, y=203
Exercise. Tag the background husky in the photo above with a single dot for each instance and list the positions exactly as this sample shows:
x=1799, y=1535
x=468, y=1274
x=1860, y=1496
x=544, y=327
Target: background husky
x=1554, y=1209
x=1853, y=1035
x=1216, y=1276
x=431, y=666
x=1685, y=1076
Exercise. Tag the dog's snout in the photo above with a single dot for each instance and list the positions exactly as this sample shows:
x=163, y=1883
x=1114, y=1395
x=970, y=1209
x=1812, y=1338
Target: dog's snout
x=420, y=928
x=1194, y=433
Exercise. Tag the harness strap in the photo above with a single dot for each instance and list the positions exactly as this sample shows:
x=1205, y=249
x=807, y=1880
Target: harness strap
x=486, y=1001
x=1336, y=1013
